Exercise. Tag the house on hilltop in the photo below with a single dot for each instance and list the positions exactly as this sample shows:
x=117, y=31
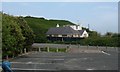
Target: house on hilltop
x=67, y=32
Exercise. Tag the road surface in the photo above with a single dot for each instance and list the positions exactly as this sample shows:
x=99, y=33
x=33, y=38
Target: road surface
x=78, y=58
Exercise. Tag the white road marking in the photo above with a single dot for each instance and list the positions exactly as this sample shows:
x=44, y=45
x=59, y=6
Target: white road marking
x=105, y=53
x=56, y=59
x=90, y=69
x=31, y=63
x=16, y=62
x=30, y=69
x=58, y=56
x=85, y=58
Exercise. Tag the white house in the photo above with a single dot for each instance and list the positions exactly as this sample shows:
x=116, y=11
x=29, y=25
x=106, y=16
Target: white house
x=75, y=27
x=67, y=31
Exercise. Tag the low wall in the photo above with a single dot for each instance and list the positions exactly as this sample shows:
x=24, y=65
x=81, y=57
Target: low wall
x=44, y=45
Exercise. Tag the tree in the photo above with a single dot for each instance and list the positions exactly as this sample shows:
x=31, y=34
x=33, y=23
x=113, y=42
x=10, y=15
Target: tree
x=109, y=34
x=12, y=38
x=27, y=32
x=16, y=35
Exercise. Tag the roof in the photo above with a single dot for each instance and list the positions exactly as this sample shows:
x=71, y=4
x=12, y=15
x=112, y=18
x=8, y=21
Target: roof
x=63, y=31
x=81, y=31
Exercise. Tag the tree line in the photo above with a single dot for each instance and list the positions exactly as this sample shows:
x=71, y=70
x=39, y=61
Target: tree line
x=105, y=40
x=95, y=40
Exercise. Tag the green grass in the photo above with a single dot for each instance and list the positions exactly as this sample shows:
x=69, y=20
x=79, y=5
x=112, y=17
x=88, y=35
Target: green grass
x=62, y=50
x=44, y=49
x=59, y=50
x=53, y=50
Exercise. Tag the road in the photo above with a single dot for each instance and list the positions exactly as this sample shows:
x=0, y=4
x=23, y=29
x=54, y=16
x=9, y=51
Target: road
x=77, y=58
x=66, y=61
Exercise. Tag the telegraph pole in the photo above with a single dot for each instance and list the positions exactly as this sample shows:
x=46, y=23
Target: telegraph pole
x=88, y=27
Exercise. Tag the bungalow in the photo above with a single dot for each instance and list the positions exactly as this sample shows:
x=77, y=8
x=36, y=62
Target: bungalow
x=66, y=32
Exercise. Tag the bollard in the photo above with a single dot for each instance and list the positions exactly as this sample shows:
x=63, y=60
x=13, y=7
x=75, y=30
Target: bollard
x=87, y=46
x=116, y=48
x=57, y=50
x=21, y=51
x=39, y=49
x=7, y=57
x=78, y=46
x=25, y=50
x=67, y=49
x=97, y=47
x=6, y=66
x=48, y=50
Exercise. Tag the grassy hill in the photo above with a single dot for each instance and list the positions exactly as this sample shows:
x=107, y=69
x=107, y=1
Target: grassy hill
x=41, y=25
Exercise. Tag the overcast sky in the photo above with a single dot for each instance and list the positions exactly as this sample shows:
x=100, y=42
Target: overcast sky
x=101, y=16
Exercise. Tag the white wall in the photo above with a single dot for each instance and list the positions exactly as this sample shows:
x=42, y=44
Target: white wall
x=76, y=27
x=85, y=34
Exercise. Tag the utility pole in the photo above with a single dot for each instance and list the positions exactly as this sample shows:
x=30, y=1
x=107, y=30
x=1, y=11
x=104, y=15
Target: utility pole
x=77, y=22
x=88, y=27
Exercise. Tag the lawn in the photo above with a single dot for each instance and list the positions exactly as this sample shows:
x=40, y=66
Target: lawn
x=54, y=50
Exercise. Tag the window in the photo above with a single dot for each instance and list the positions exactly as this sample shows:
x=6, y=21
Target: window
x=76, y=27
x=64, y=35
x=85, y=35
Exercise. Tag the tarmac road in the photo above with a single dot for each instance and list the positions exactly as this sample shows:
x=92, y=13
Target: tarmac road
x=66, y=61
x=78, y=58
